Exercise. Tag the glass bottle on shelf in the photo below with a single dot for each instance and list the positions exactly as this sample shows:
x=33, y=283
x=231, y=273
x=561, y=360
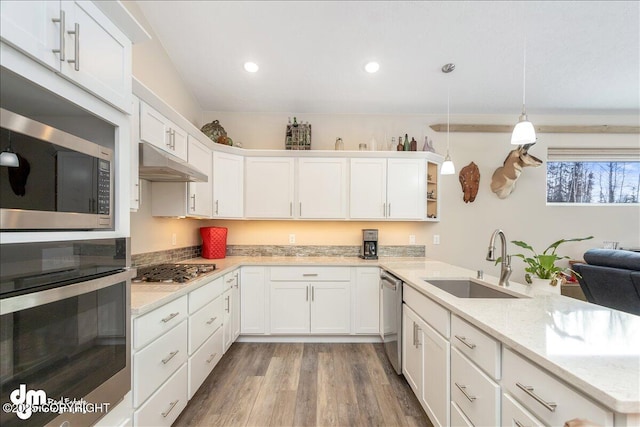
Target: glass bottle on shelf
x=339, y=144
x=406, y=142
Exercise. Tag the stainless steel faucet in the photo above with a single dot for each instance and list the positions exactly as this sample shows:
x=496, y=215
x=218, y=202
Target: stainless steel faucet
x=505, y=264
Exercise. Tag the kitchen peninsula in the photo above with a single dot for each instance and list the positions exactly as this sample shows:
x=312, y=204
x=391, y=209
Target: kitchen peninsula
x=592, y=352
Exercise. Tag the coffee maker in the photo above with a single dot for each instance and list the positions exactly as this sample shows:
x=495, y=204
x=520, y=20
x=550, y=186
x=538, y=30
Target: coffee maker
x=369, y=244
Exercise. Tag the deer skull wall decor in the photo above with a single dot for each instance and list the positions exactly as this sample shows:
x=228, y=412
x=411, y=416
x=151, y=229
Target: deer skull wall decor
x=470, y=181
x=504, y=178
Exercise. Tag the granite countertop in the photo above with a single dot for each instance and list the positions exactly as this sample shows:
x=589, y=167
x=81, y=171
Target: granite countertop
x=595, y=349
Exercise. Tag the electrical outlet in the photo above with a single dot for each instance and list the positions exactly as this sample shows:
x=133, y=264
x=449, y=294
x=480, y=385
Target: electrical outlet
x=174, y=239
x=436, y=239
x=412, y=239
x=292, y=238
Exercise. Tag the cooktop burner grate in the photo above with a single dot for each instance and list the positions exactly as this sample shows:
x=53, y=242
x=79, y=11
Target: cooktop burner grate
x=172, y=273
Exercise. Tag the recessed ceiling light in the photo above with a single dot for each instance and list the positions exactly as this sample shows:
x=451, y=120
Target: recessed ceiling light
x=372, y=67
x=251, y=67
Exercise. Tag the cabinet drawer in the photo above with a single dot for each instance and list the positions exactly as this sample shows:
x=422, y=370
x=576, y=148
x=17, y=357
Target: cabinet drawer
x=458, y=419
x=482, y=349
x=310, y=274
x=203, y=361
x=434, y=314
x=203, y=295
x=544, y=391
x=148, y=327
x=166, y=404
x=514, y=415
x=204, y=323
x=155, y=363
x=477, y=395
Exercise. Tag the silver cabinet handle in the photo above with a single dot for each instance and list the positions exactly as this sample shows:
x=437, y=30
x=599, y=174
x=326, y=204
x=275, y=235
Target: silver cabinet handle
x=210, y=321
x=227, y=309
x=464, y=341
x=62, y=21
x=193, y=197
x=290, y=208
x=216, y=207
x=210, y=359
x=415, y=330
x=170, y=356
x=230, y=280
x=173, y=139
x=171, y=406
x=168, y=144
x=300, y=208
x=76, y=47
x=313, y=293
x=389, y=210
x=171, y=316
x=309, y=274
x=463, y=389
x=137, y=199
x=517, y=423
x=307, y=293
x=551, y=406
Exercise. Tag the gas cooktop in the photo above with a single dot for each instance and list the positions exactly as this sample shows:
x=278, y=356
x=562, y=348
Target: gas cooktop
x=172, y=273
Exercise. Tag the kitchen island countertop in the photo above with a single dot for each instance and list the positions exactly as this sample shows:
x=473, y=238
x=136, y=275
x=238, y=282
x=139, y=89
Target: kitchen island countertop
x=593, y=348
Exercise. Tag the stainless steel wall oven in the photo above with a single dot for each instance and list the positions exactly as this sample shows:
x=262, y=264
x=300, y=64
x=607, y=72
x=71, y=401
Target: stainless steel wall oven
x=64, y=330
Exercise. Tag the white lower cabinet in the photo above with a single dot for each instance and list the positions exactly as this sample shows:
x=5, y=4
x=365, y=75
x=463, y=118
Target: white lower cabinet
x=366, y=302
x=163, y=408
x=475, y=393
x=514, y=415
x=412, y=363
x=330, y=308
x=202, y=362
x=289, y=310
x=253, y=300
x=549, y=399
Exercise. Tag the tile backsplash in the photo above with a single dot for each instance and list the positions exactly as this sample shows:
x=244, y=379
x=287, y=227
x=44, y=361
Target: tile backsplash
x=181, y=254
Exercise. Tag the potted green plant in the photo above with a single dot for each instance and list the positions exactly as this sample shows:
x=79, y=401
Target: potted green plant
x=543, y=266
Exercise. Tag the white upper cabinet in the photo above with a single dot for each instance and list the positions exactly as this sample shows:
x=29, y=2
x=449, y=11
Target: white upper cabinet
x=368, y=195
x=159, y=131
x=388, y=189
x=199, y=202
x=322, y=188
x=228, y=185
x=406, y=189
x=269, y=187
x=75, y=39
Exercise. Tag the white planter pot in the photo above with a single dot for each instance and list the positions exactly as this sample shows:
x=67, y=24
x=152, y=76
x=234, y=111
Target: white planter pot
x=544, y=285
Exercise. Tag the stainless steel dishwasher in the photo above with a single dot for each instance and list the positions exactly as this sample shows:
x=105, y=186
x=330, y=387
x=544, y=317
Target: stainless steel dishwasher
x=391, y=318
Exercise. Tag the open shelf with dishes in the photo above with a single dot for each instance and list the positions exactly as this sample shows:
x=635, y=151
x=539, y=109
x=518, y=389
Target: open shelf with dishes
x=433, y=195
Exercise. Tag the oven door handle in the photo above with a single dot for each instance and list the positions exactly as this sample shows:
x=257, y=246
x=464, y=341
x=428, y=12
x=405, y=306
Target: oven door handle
x=35, y=299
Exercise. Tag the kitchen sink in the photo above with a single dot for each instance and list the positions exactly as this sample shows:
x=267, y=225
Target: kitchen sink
x=465, y=288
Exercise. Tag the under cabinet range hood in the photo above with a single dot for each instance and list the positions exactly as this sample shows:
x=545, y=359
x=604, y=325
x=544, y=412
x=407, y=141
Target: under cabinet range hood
x=157, y=165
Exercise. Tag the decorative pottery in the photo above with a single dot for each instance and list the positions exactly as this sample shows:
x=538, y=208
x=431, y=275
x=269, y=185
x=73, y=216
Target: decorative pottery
x=215, y=131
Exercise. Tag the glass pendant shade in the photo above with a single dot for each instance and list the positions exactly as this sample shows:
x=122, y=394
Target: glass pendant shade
x=9, y=158
x=447, y=167
x=523, y=132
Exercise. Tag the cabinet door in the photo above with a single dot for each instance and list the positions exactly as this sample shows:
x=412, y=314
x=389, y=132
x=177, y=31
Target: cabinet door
x=235, y=306
x=252, y=300
x=435, y=376
x=367, y=301
x=199, y=198
x=228, y=185
x=135, y=190
x=227, y=326
x=289, y=308
x=330, y=308
x=269, y=187
x=406, y=193
x=368, y=191
x=154, y=127
x=180, y=143
x=29, y=27
x=322, y=188
x=411, y=350
x=98, y=56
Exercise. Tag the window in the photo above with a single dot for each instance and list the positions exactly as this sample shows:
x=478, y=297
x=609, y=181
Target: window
x=593, y=176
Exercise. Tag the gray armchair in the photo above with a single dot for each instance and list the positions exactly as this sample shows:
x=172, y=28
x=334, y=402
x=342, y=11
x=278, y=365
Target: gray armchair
x=611, y=278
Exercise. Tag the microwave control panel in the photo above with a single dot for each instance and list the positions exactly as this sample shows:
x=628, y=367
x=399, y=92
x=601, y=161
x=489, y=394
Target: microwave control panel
x=104, y=187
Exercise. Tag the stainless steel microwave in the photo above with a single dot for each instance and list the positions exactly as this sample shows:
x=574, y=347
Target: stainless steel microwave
x=53, y=180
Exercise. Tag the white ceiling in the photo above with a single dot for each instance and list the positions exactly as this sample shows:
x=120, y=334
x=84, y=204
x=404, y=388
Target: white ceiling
x=583, y=57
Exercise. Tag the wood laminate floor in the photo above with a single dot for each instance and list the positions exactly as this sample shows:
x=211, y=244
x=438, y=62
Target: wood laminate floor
x=277, y=384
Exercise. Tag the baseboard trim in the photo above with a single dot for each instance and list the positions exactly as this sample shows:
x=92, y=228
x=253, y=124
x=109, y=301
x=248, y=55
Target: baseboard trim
x=310, y=338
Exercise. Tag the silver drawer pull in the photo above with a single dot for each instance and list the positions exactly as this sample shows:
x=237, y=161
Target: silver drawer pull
x=309, y=274
x=213, y=356
x=551, y=406
x=463, y=389
x=210, y=321
x=63, y=24
x=170, y=356
x=518, y=423
x=464, y=341
x=171, y=316
x=76, y=45
x=171, y=406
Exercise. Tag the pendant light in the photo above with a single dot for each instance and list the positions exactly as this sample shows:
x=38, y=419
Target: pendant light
x=8, y=157
x=523, y=132
x=447, y=167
